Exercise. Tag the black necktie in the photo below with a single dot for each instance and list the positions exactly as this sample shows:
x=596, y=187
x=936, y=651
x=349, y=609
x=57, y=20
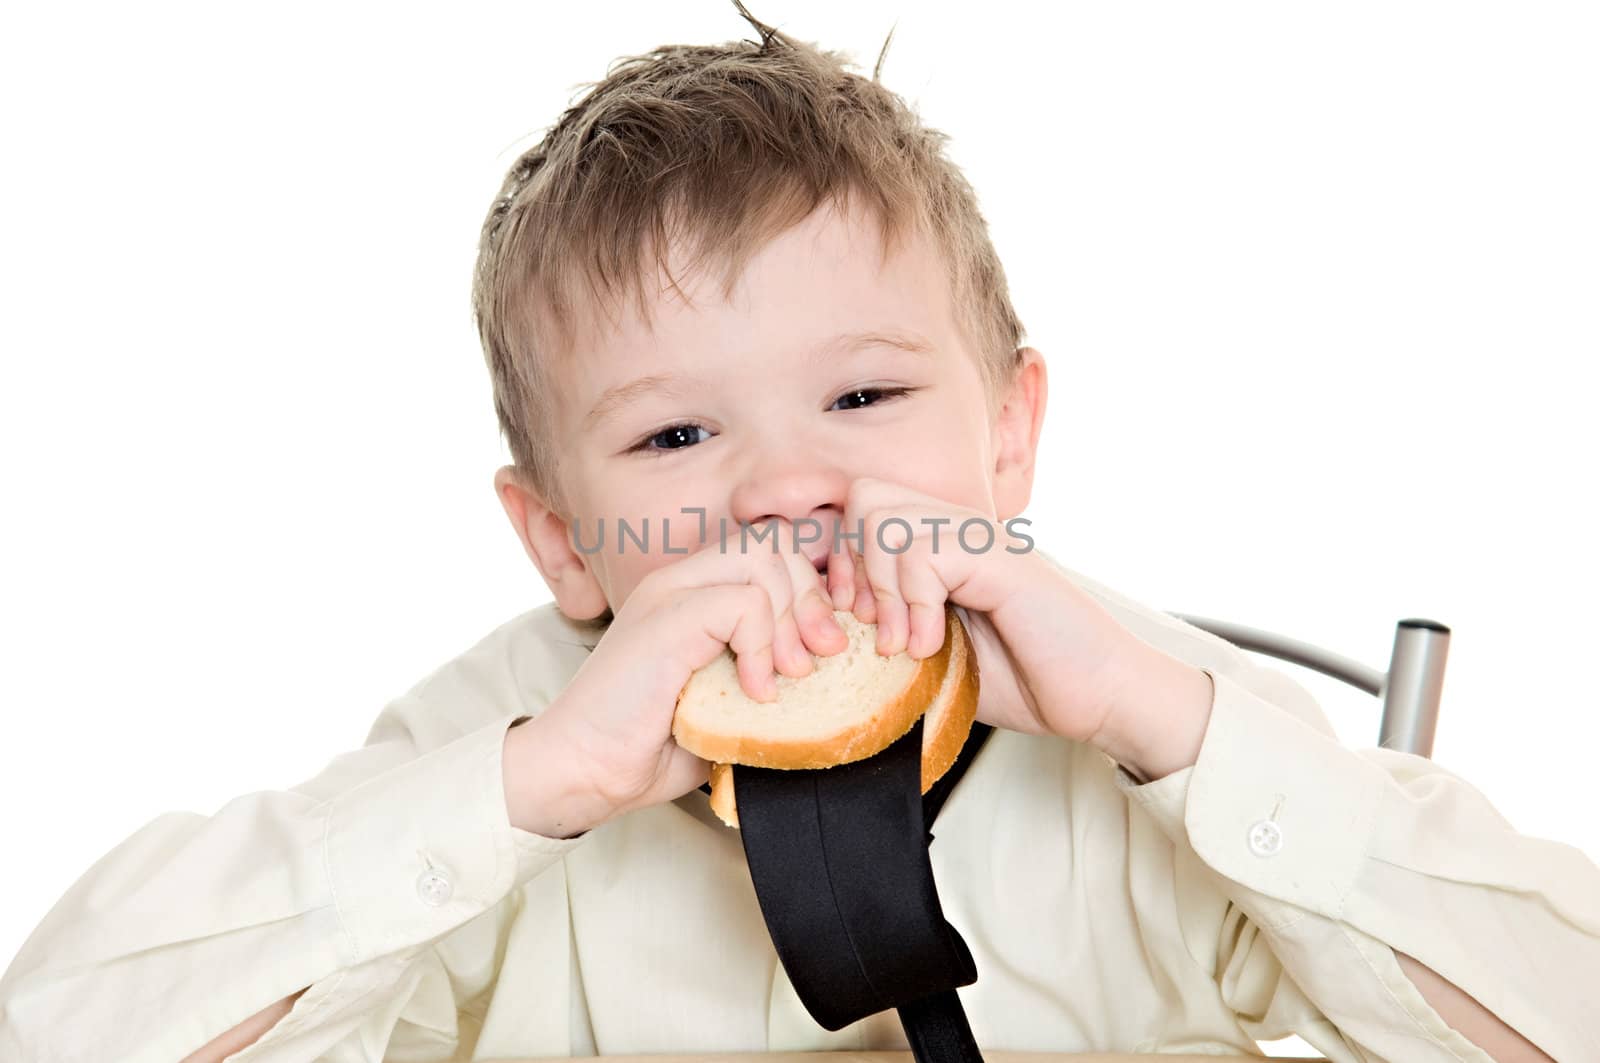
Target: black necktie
x=839, y=860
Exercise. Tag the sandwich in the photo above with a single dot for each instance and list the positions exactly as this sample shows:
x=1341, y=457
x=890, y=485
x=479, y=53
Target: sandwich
x=853, y=705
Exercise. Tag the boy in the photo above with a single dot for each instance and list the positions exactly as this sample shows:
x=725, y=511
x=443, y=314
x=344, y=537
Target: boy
x=739, y=286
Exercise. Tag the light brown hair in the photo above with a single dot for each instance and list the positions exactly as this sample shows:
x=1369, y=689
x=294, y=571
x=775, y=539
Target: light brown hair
x=722, y=147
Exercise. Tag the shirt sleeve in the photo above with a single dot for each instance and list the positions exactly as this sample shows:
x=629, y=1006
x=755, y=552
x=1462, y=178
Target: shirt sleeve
x=1333, y=858
x=341, y=884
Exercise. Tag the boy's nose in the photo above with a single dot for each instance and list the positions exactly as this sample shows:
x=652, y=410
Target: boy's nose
x=796, y=490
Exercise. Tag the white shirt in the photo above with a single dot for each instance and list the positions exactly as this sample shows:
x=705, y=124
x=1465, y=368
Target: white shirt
x=1256, y=894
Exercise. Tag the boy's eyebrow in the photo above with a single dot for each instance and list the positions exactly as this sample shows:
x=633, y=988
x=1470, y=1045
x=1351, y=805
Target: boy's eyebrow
x=673, y=385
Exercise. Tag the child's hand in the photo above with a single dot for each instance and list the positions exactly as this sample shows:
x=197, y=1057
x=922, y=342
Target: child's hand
x=613, y=721
x=1051, y=660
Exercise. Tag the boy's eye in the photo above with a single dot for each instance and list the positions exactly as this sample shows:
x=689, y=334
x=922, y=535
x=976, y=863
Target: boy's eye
x=850, y=397
x=683, y=436
x=673, y=437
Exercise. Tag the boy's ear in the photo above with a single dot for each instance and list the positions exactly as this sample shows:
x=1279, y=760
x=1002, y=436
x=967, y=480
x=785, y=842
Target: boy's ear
x=1016, y=434
x=545, y=537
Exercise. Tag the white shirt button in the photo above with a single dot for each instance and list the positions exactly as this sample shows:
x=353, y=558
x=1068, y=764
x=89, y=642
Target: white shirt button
x=434, y=887
x=1266, y=838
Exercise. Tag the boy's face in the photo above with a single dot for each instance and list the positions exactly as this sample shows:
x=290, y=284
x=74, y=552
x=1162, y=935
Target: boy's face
x=755, y=408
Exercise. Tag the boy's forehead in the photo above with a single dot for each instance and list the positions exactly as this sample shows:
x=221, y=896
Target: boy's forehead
x=821, y=278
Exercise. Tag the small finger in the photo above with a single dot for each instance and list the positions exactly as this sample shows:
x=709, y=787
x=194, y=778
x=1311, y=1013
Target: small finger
x=883, y=572
x=865, y=607
x=841, y=578
x=815, y=626
x=925, y=595
x=749, y=636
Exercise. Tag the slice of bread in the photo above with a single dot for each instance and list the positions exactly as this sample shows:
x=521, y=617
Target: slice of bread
x=950, y=711
x=853, y=704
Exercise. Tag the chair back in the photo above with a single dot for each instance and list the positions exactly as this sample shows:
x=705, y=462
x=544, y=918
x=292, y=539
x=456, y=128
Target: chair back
x=1410, y=689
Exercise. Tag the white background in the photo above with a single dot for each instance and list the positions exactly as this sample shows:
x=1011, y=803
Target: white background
x=1317, y=288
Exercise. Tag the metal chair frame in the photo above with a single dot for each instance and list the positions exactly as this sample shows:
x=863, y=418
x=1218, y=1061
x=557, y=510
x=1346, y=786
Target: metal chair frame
x=1410, y=689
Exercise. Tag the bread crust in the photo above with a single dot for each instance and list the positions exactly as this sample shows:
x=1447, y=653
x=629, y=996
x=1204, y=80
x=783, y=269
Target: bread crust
x=722, y=802
x=864, y=738
x=939, y=750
